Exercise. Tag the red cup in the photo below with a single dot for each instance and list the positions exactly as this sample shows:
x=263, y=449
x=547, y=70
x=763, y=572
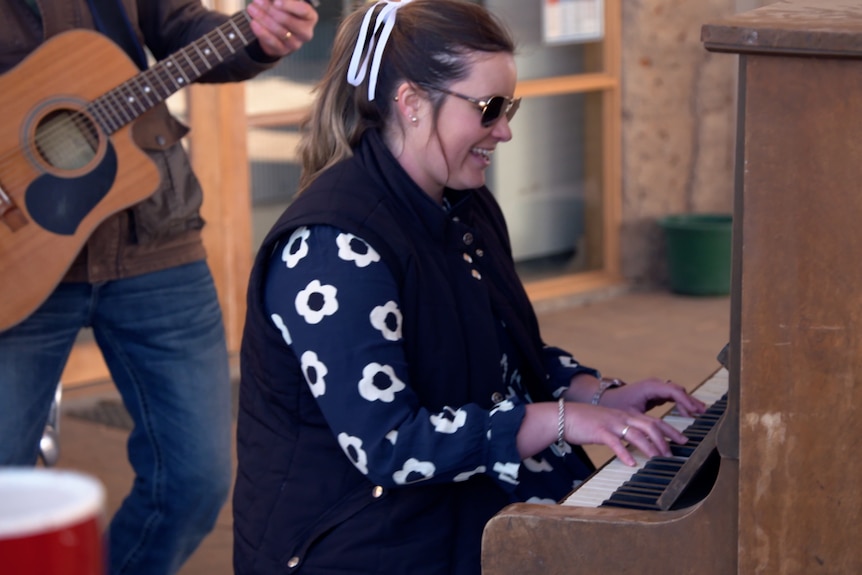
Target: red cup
x=51, y=522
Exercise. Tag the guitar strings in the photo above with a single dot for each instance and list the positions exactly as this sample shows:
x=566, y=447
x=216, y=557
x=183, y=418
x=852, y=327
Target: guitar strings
x=117, y=107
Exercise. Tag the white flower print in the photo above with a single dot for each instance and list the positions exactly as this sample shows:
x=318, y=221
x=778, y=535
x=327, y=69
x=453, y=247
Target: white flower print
x=507, y=472
x=279, y=323
x=387, y=320
x=537, y=465
x=392, y=436
x=515, y=379
x=541, y=501
x=468, y=474
x=296, y=247
x=315, y=372
x=505, y=405
x=353, y=249
x=568, y=361
x=413, y=471
x=379, y=383
x=316, y=301
x=449, y=420
x=352, y=446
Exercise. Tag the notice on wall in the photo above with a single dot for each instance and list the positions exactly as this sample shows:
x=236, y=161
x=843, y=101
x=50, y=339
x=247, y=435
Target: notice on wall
x=569, y=21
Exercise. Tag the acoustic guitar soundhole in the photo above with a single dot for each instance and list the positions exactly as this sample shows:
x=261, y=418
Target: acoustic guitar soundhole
x=67, y=139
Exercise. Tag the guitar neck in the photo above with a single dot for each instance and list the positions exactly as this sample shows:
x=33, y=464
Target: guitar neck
x=129, y=100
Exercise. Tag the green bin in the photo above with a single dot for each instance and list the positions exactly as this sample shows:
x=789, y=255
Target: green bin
x=698, y=252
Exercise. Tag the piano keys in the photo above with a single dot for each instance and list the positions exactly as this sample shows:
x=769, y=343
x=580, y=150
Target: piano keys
x=657, y=483
x=584, y=534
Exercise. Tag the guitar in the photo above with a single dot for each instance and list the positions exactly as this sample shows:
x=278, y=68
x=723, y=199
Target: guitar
x=67, y=158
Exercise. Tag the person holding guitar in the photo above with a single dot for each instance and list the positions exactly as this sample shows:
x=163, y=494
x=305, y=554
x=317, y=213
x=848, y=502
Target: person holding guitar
x=138, y=274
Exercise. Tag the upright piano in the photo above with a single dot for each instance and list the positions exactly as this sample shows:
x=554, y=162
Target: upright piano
x=779, y=489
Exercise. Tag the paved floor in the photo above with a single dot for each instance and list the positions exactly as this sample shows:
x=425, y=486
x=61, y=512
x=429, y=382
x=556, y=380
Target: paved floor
x=627, y=335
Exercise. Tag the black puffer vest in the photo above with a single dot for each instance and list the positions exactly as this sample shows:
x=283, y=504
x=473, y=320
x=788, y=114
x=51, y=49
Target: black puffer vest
x=299, y=504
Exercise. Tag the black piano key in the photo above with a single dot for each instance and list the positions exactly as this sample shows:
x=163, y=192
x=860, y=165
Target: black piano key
x=682, y=450
x=659, y=480
x=630, y=505
x=641, y=487
x=636, y=483
x=664, y=464
x=706, y=423
x=701, y=426
x=633, y=499
x=656, y=474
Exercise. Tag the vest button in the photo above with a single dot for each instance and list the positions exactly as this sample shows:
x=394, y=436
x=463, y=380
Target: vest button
x=476, y=274
x=467, y=258
x=293, y=562
x=497, y=397
x=480, y=252
x=468, y=238
x=377, y=492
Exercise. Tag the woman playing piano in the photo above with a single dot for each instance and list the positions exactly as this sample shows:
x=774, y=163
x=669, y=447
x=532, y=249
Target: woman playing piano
x=396, y=392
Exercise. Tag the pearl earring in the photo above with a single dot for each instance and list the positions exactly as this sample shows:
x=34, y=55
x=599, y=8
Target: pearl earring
x=414, y=119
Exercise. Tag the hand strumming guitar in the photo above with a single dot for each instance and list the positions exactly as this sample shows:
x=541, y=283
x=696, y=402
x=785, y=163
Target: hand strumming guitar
x=282, y=26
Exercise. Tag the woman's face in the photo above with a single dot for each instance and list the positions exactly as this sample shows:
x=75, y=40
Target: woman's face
x=456, y=152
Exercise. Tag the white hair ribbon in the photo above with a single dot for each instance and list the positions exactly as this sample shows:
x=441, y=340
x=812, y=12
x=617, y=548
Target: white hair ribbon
x=356, y=71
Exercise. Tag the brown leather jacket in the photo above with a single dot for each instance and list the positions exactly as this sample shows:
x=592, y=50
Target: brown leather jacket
x=164, y=230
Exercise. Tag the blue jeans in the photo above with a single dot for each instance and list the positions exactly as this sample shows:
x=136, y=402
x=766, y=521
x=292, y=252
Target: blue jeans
x=163, y=340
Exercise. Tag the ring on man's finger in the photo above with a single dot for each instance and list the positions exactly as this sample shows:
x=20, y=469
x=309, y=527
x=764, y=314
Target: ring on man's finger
x=288, y=34
x=624, y=431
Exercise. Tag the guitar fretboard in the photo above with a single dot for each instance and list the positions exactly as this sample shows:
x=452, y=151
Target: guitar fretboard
x=129, y=100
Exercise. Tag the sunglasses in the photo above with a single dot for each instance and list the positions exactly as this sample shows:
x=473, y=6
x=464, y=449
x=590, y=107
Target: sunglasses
x=492, y=108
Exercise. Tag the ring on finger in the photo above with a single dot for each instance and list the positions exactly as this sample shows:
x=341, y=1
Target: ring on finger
x=624, y=431
x=288, y=34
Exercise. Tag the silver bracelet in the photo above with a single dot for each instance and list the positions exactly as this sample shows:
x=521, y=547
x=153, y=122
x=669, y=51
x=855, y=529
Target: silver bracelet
x=604, y=385
x=561, y=425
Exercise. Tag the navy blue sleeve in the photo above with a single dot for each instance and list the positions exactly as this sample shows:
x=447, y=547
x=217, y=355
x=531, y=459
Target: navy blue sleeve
x=336, y=305
x=562, y=367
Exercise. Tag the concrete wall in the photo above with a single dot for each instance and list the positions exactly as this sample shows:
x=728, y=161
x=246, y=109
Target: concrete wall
x=678, y=123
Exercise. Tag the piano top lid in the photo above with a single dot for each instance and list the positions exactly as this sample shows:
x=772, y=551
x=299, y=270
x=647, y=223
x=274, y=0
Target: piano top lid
x=801, y=27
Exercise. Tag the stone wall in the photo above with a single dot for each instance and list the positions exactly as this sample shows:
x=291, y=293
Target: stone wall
x=678, y=124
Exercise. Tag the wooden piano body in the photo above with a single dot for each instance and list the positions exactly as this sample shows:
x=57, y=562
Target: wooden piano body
x=787, y=497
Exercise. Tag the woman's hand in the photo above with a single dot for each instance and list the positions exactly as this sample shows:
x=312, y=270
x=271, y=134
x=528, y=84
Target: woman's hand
x=643, y=395
x=587, y=424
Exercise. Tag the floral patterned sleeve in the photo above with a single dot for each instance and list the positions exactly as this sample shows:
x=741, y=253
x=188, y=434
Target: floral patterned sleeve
x=336, y=305
x=562, y=367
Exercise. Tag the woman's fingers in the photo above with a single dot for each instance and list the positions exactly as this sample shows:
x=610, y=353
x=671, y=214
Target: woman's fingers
x=615, y=428
x=651, y=436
